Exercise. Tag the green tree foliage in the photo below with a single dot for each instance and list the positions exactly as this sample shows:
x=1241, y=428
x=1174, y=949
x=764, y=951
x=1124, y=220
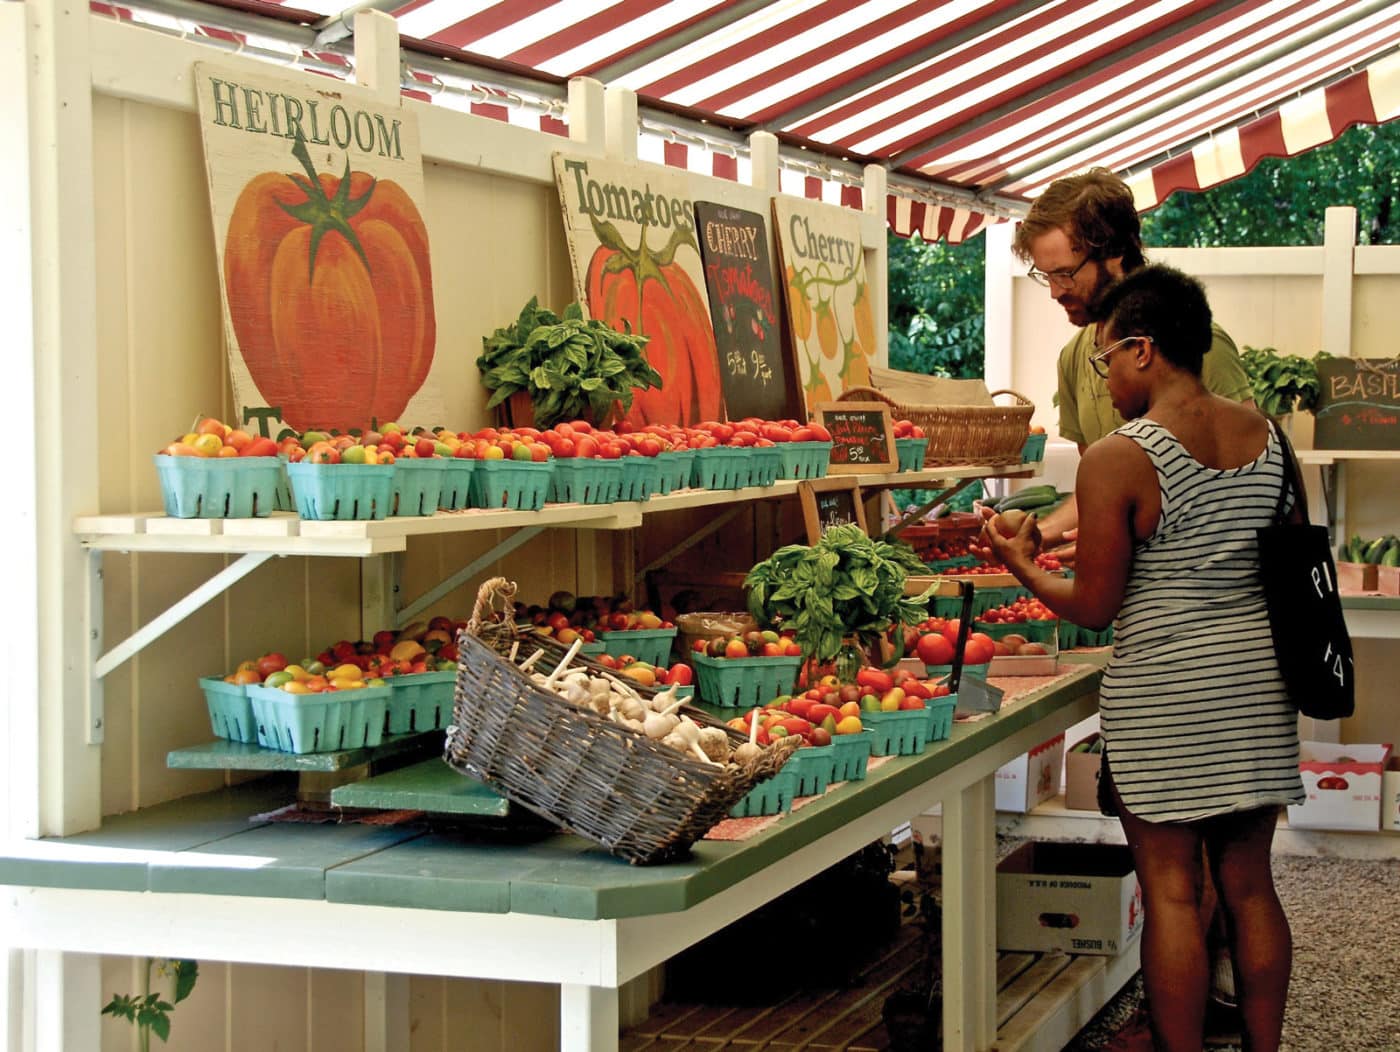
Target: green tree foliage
x=937, y=319
x=1283, y=201
x=936, y=290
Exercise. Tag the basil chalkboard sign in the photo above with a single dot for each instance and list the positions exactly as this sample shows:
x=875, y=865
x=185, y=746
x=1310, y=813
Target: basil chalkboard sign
x=862, y=436
x=828, y=502
x=743, y=310
x=1358, y=404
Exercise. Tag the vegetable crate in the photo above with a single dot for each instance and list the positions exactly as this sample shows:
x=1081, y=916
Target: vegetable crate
x=418, y=485
x=804, y=460
x=743, y=682
x=772, y=796
x=911, y=453
x=765, y=465
x=420, y=701
x=816, y=767
x=641, y=477
x=586, y=480
x=456, y=493
x=303, y=723
x=1034, y=450
x=230, y=710
x=342, y=491
x=512, y=484
x=675, y=469
x=940, y=717
x=652, y=645
x=904, y=732
x=218, y=487
x=721, y=467
x=642, y=800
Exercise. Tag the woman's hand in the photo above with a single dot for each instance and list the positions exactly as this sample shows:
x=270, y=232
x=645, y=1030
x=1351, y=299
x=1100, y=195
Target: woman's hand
x=1017, y=550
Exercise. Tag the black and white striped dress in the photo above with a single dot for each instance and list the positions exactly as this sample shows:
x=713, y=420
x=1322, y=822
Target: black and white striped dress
x=1195, y=720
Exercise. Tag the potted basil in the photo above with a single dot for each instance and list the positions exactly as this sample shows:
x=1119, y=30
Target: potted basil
x=546, y=368
x=1281, y=383
x=847, y=588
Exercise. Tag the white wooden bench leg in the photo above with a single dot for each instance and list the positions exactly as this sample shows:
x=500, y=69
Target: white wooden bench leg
x=588, y=1018
x=969, y=918
x=386, y=1012
x=66, y=999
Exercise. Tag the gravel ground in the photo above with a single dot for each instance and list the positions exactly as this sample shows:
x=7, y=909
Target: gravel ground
x=1345, y=992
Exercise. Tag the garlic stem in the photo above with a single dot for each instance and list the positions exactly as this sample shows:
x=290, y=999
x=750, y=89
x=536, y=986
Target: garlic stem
x=529, y=662
x=514, y=649
x=753, y=727
x=564, y=662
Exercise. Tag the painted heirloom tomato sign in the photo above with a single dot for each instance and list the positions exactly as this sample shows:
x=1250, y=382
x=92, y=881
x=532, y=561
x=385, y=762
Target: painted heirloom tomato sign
x=828, y=297
x=317, y=194
x=636, y=262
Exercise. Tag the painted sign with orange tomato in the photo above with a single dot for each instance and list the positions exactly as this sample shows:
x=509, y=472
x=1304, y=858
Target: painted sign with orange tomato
x=828, y=297
x=636, y=261
x=316, y=190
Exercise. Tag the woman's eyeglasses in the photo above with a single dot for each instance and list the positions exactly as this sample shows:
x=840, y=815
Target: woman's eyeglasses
x=1063, y=279
x=1100, y=360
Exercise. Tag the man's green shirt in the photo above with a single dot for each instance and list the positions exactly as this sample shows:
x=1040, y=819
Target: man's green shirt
x=1086, y=411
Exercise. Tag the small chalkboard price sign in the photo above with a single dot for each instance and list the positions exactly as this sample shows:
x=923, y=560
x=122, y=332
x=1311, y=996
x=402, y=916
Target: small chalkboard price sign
x=862, y=436
x=1358, y=405
x=828, y=502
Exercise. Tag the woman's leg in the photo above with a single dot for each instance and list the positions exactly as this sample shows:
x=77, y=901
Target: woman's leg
x=1175, y=970
x=1240, y=847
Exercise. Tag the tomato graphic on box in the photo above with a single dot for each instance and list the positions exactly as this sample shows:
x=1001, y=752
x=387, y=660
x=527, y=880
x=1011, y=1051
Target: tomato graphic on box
x=330, y=293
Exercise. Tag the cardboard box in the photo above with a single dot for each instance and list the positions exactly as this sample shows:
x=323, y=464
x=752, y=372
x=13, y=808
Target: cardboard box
x=1388, y=580
x=1343, y=783
x=1031, y=777
x=1356, y=577
x=1079, y=898
x=1390, y=795
x=1082, y=778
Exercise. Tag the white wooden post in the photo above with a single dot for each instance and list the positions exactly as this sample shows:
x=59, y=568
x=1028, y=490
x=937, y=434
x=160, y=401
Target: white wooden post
x=970, y=919
x=620, y=124
x=997, y=297
x=68, y=1000
x=586, y=120
x=877, y=257
x=763, y=162
x=1339, y=250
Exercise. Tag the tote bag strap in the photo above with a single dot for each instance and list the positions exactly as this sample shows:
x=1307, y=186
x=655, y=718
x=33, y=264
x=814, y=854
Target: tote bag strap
x=1290, y=474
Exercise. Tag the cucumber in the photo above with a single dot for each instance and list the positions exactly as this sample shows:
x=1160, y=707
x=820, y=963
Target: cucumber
x=1029, y=501
x=1392, y=553
x=1355, y=550
x=1375, y=550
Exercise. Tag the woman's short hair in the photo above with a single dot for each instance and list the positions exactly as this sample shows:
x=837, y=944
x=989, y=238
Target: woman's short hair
x=1163, y=303
x=1096, y=211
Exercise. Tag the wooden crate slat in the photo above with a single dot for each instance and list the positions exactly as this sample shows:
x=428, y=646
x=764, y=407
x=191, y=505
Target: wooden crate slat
x=1014, y=996
x=1022, y=1028
x=1010, y=964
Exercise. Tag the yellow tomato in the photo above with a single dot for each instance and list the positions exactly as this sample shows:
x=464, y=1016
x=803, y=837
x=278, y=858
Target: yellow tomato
x=298, y=673
x=345, y=671
x=296, y=687
x=207, y=445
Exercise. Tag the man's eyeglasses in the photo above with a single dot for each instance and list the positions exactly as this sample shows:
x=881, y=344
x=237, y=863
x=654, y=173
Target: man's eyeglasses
x=1059, y=278
x=1100, y=360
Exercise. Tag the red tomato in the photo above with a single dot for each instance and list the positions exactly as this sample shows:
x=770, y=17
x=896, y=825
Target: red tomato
x=934, y=649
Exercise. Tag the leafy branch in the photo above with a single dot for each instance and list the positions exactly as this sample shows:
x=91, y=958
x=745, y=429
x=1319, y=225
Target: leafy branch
x=149, y=1012
x=1281, y=383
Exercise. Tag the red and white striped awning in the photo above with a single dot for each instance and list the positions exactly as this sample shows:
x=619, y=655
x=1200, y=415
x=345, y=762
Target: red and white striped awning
x=985, y=100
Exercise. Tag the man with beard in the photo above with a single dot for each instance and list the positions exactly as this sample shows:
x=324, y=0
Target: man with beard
x=1081, y=235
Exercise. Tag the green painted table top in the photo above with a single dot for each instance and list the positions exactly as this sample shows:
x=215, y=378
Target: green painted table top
x=429, y=786
x=207, y=844
x=1371, y=602
x=224, y=755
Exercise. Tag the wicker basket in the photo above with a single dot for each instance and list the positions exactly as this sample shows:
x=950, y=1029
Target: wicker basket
x=641, y=800
x=962, y=434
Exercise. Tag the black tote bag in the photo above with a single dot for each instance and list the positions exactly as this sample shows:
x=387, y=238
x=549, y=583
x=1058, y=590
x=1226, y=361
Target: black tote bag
x=1305, y=610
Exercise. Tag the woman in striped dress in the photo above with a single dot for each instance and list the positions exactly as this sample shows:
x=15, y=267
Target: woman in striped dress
x=1200, y=737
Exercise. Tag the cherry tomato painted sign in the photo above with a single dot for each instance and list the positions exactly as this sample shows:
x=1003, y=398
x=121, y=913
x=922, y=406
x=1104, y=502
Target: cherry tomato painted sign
x=636, y=263
x=316, y=191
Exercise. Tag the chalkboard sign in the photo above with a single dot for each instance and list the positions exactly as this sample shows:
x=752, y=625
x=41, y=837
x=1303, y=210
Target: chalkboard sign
x=862, y=436
x=1359, y=404
x=828, y=502
x=743, y=310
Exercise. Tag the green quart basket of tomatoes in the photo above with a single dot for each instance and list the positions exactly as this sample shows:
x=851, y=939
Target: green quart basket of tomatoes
x=772, y=796
x=743, y=682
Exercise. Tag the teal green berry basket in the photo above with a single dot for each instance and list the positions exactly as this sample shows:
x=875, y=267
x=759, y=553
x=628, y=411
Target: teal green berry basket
x=515, y=484
x=641, y=477
x=652, y=645
x=456, y=493
x=765, y=465
x=903, y=732
x=743, y=682
x=957, y=562
x=420, y=701
x=772, y=796
x=1034, y=449
x=804, y=460
x=418, y=485
x=282, y=499
x=1001, y=629
x=940, y=716
x=1044, y=630
x=218, y=487
x=721, y=467
x=937, y=671
x=585, y=480
x=852, y=755
x=230, y=710
x=342, y=491
x=814, y=767
x=675, y=469
x=911, y=453
x=306, y=723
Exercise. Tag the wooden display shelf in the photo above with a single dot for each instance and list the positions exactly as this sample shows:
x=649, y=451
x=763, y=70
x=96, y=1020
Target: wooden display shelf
x=429, y=786
x=285, y=534
x=224, y=755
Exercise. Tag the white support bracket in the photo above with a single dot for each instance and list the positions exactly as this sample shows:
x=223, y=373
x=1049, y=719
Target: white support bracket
x=165, y=621
x=465, y=574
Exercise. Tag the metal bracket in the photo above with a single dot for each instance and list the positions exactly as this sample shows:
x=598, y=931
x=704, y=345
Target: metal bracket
x=924, y=509
x=165, y=621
